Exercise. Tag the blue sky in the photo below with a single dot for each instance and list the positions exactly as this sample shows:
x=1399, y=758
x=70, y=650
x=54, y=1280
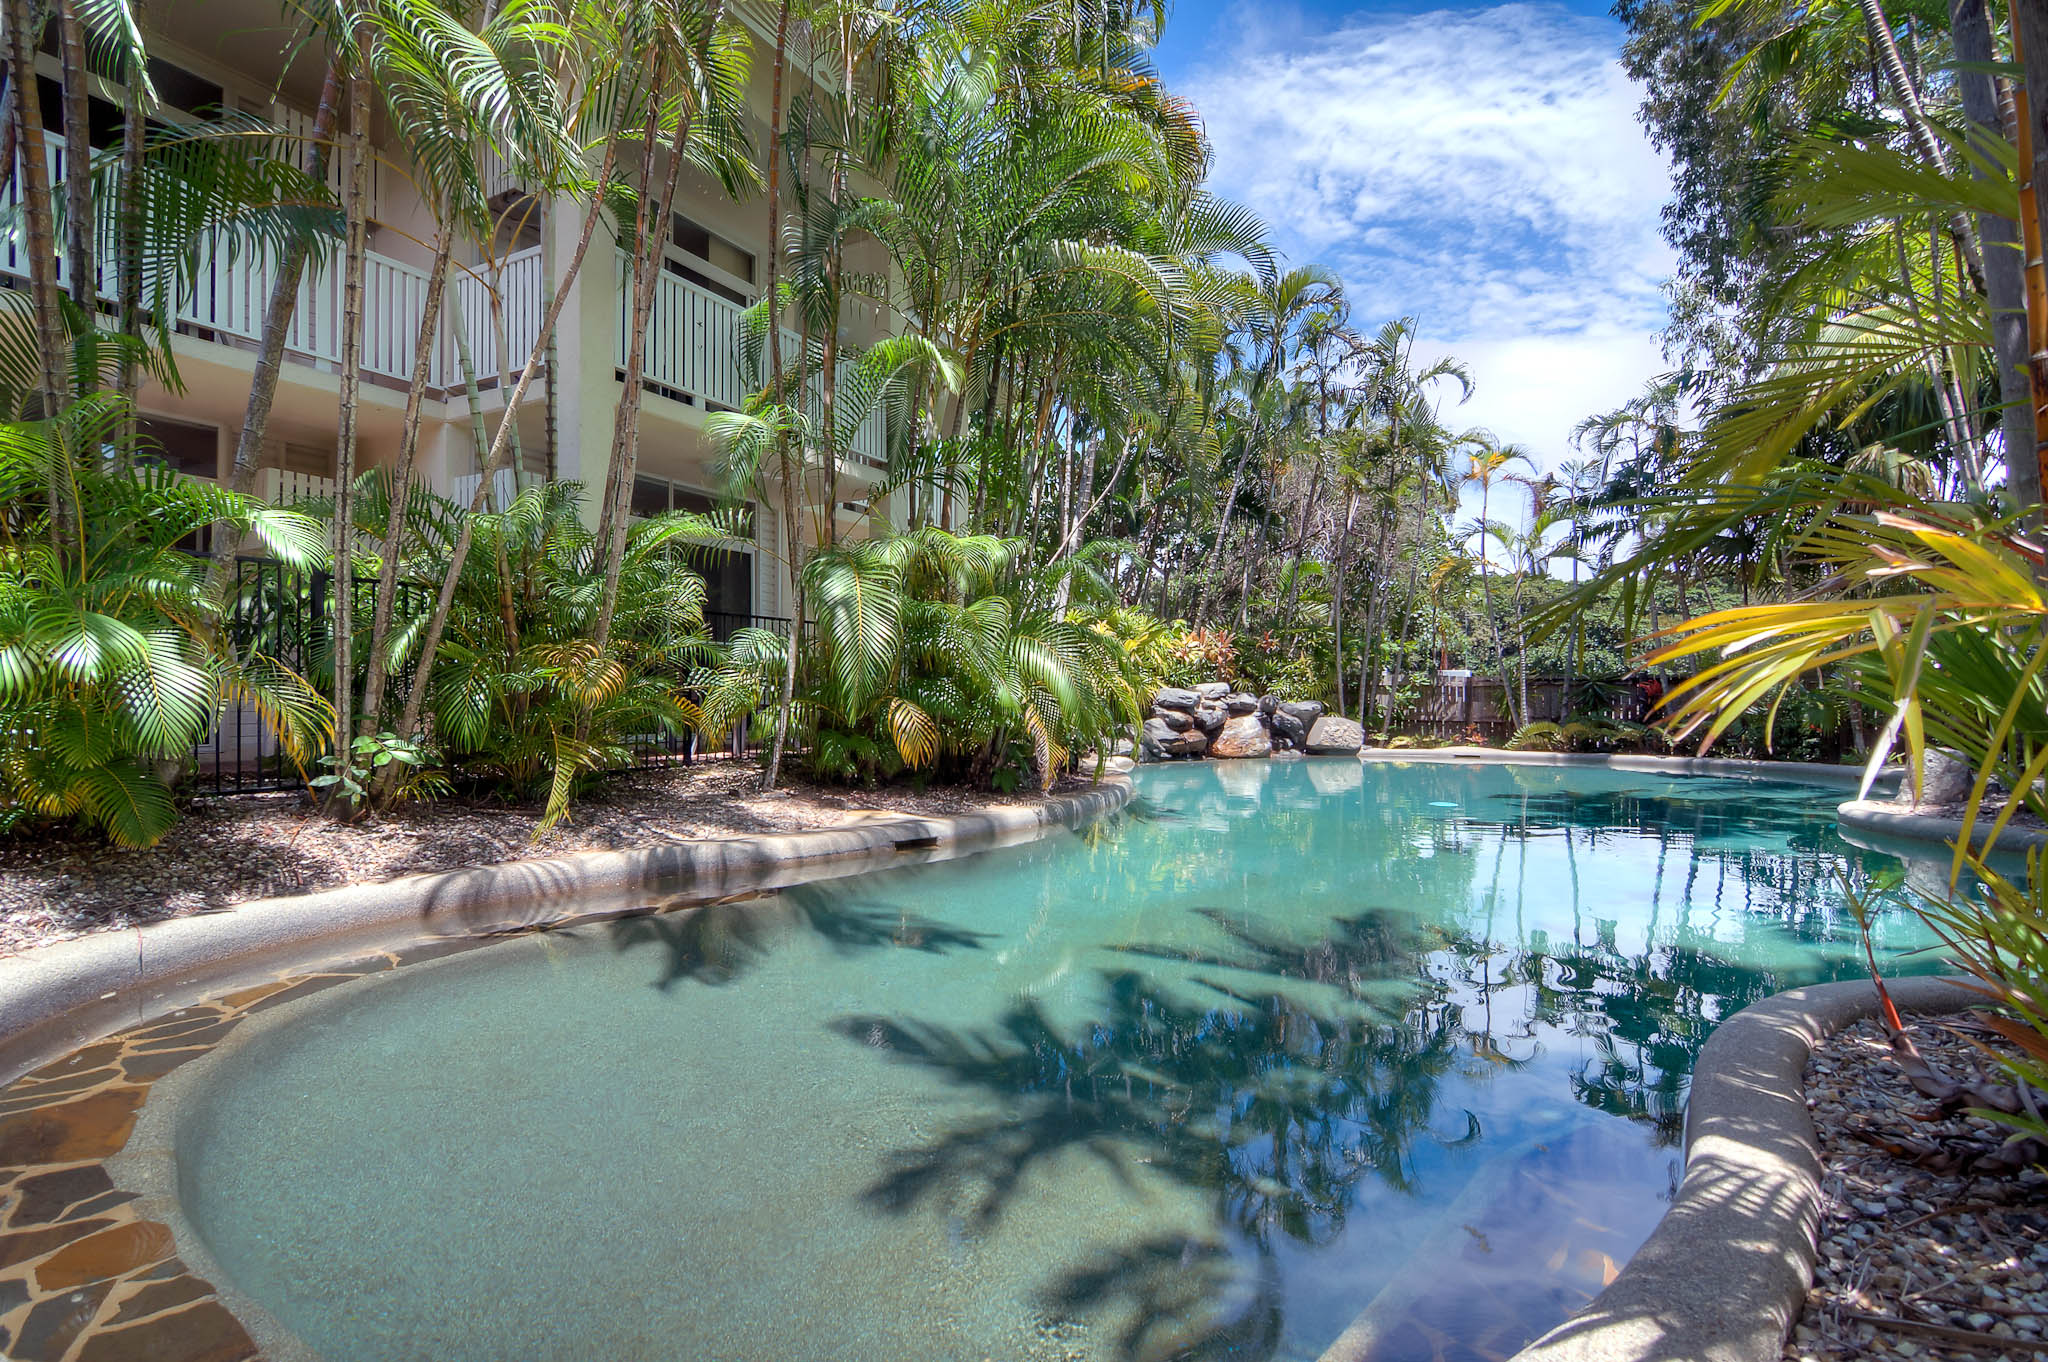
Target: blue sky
x=1475, y=165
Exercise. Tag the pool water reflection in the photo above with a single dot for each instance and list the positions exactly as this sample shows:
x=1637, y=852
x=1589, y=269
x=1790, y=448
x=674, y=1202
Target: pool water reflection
x=1289, y=1051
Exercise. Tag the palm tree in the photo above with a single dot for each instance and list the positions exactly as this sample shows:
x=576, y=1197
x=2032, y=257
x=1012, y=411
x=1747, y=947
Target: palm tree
x=1489, y=463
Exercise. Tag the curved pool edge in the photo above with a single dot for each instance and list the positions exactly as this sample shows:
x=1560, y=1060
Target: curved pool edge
x=1894, y=822
x=1724, y=1276
x=1812, y=773
x=55, y=998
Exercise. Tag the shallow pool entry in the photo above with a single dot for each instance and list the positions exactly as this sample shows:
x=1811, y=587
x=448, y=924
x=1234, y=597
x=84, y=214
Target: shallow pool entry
x=1293, y=1059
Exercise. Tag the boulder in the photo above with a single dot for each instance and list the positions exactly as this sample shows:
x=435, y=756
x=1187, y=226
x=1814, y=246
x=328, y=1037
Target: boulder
x=1173, y=697
x=1154, y=739
x=1122, y=747
x=1307, y=711
x=1180, y=721
x=1210, y=716
x=1118, y=766
x=1213, y=690
x=1243, y=736
x=1269, y=703
x=1237, y=702
x=1162, y=742
x=1288, y=728
x=1334, y=735
x=1945, y=782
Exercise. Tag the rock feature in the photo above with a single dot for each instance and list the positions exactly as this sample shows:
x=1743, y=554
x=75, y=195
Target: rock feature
x=1305, y=711
x=1161, y=741
x=1945, y=783
x=1219, y=720
x=1243, y=736
x=1332, y=735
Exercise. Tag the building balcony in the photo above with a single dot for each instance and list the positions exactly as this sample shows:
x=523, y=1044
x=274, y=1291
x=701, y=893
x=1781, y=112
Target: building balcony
x=229, y=293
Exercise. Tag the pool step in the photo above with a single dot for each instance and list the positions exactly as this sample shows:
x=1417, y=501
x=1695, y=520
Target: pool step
x=1536, y=1234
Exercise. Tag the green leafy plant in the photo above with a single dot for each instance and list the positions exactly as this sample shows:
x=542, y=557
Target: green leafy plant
x=113, y=661
x=937, y=653
x=371, y=753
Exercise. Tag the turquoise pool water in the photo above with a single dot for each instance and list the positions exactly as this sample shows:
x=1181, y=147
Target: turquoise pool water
x=1287, y=1052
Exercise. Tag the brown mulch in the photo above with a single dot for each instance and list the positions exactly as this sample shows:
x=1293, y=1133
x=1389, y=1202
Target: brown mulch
x=1916, y=1263
x=59, y=884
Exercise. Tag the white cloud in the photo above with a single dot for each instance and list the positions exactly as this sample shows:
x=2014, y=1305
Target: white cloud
x=1479, y=169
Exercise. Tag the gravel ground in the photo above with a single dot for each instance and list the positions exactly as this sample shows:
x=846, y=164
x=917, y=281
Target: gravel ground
x=227, y=851
x=1914, y=1263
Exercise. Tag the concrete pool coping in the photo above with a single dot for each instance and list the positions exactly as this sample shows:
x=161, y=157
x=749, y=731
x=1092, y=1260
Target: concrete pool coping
x=1811, y=773
x=1896, y=822
x=1724, y=1276
x=54, y=998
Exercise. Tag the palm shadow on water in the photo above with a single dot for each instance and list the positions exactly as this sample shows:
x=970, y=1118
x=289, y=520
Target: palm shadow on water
x=716, y=943
x=1276, y=1077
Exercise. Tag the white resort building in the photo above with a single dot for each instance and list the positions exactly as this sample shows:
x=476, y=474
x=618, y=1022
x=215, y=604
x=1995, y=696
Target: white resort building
x=238, y=56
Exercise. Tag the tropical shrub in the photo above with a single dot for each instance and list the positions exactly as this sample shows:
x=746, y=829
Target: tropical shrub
x=113, y=661
x=523, y=703
x=936, y=653
x=1951, y=643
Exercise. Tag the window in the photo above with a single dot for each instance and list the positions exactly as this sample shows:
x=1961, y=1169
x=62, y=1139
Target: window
x=728, y=573
x=179, y=445
x=698, y=240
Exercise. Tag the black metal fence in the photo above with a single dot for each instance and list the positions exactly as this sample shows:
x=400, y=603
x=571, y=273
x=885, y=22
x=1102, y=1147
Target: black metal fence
x=285, y=613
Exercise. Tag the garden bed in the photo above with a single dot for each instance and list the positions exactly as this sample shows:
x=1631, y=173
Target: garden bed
x=228, y=851
x=1915, y=1263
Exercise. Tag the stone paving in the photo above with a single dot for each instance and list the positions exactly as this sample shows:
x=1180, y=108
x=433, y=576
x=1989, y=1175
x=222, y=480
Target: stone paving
x=83, y=1277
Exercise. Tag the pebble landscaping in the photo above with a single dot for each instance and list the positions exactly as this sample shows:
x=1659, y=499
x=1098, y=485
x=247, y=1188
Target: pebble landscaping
x=1916, y=1263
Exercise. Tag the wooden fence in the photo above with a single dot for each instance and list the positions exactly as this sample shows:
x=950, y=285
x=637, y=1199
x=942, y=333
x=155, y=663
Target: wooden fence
x=1455, y=706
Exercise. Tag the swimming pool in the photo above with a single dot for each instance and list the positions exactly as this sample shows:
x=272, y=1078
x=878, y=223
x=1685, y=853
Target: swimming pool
x=1287, y=1052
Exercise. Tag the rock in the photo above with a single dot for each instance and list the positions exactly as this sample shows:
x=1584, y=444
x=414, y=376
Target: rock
x=1945, y=782
x=1243, y=736
x=1332, y=734
x=1307, y=711
x=1178, y=720
x=1213, y=690
x=1269, y=703
x=1237, y=702
x=1287, y=756
x=1153, y=740
x=1118, y=766
x=1173, y=697
x=1122, y=747
x=1210, y=716
x=1162, y=742
x=1287, y=728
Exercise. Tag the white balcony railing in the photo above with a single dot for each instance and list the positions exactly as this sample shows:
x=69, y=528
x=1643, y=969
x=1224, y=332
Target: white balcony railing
x=692, y=334
x=230, y=291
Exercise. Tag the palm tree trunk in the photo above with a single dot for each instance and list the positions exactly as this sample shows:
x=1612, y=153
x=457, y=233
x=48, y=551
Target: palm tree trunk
x=277, y=320
x=2005, y=284
x=38, y=226
x=134, y=129
x=791, y=492
x=78, y=214
x=649, y=255
x=393, y=564
x=342, y=551
x=2030, y=107
x=501, y=447
x=1923, y=131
